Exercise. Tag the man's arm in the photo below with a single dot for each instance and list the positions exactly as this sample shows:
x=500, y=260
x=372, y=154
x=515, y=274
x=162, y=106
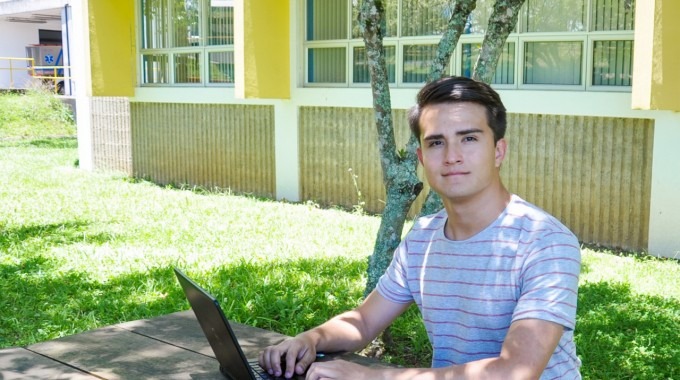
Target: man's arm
x=525, y=353
x=349, y=331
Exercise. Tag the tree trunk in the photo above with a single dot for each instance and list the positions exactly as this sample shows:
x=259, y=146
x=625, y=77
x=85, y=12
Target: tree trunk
x=398, y=168
x=461, y=10
x=501, y=23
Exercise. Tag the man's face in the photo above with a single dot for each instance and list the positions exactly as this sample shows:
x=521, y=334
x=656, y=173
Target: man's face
x=457, y=150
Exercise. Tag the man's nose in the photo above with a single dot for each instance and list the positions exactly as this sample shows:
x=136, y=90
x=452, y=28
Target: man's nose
x=453, y=154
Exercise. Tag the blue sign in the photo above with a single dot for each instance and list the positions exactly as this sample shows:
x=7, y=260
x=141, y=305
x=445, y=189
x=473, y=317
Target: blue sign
x=49, y=58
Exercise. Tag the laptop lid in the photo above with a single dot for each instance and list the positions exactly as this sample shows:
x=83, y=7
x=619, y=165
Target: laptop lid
x=233, y=362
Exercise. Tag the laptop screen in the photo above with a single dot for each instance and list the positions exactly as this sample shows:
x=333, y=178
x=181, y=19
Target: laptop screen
x=233, y=362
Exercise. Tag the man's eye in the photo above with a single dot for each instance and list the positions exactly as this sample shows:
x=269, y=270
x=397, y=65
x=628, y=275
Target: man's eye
x=469, y=138
x=434, y=143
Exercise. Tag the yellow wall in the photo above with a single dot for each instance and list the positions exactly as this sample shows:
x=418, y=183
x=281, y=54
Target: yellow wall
x=656, y=79
x=264, y=48
x=112, y=47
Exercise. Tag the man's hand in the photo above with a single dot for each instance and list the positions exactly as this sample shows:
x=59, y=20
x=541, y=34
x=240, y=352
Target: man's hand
x=346, y=332
x=294, y=354
x=340, y=369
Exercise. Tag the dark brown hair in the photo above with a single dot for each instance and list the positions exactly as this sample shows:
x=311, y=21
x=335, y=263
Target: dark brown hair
x=460, y=89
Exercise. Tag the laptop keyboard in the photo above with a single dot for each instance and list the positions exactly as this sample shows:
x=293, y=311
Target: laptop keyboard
x=259, y=372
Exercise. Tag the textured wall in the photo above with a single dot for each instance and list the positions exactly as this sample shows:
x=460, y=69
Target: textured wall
x=210, y=145
x=111, y=139
x=334, y=140
x=593, y=173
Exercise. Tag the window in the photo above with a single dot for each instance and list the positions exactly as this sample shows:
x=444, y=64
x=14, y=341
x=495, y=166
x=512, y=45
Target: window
x=186, y=42
x=561, y=44
x=360, y=64
x=505, y=68
x=542, y=16
x=612, y=63
x=417, y=59
x=557, y=63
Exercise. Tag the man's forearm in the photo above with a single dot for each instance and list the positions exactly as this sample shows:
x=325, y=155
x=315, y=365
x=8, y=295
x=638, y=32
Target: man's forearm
x=345, y=332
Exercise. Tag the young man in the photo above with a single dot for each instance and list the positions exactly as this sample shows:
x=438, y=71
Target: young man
x=495, y=277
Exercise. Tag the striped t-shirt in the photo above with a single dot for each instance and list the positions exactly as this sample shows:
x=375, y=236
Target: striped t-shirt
x=524, y=265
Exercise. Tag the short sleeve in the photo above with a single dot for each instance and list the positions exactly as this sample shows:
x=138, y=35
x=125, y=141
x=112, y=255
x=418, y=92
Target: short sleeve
x=393, y=285
x=549, y=280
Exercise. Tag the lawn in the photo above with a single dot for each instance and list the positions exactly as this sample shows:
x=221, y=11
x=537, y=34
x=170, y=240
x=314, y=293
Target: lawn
x=81, y=250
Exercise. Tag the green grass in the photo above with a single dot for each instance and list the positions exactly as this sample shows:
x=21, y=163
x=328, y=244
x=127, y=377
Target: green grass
x=37, y=113
x=80, y=250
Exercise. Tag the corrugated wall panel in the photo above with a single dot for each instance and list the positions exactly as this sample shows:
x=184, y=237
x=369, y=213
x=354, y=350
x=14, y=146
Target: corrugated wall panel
x=334, y=140
x=592, y=173
x=210, y=145
x=111, y=139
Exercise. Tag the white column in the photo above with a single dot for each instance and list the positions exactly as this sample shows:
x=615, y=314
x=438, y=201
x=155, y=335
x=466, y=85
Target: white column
x=664, y=215
x=82, y=80
x=66, y=33
x=286, y=146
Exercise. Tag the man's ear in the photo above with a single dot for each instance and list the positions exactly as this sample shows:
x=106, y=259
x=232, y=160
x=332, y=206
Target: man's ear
x=419, y=152
x=501, y=148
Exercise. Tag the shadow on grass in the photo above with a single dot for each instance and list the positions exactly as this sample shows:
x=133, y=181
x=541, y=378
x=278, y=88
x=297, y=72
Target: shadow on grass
x=41, y=236
x=621, y=335
x=56, y=142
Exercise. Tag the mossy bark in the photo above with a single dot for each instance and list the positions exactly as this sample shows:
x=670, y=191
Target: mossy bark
x=398, y=167
x=501, y=23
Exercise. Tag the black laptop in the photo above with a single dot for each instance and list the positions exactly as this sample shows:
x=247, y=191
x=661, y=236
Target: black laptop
x=233, y=363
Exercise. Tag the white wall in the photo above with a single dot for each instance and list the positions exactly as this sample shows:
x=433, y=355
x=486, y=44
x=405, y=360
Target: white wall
x=664, y=215
x=15, y=37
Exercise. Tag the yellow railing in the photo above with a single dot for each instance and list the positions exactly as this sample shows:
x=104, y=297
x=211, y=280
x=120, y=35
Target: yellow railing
x=15, y=64
x=43, y=73
x=52, y=75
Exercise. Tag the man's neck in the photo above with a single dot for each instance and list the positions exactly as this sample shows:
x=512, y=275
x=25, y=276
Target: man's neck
x=467, y=217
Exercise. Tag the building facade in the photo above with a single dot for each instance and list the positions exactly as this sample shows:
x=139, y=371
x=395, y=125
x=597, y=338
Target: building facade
x=272, y=98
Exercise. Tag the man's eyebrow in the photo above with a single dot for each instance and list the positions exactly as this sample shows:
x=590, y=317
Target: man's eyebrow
x=469, y=131
x=433, y=137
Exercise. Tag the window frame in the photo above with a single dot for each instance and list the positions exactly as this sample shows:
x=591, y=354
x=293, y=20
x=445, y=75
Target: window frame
x=457, y=56
x=554, y=37
x=586, y=37
x=203, y=49
x=604, y=36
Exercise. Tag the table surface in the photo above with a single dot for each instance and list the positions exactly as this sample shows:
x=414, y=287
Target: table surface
x=168, y=347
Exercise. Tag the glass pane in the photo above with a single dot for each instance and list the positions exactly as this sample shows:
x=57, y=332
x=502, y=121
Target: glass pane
x=553, y=62
x=187, y=68
x=612, y=63
x=478, y=22
x=154, y=68
x=326, y=20
x=424, y=17
x=221, y=69
x=505, y=68
x=391, y=18
x=326, y=65
x=554, y=16
x=221, y=26
x=613, y=15
x=361, y=74
x=417, y=62
x=185, y=23
x=154, y=24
